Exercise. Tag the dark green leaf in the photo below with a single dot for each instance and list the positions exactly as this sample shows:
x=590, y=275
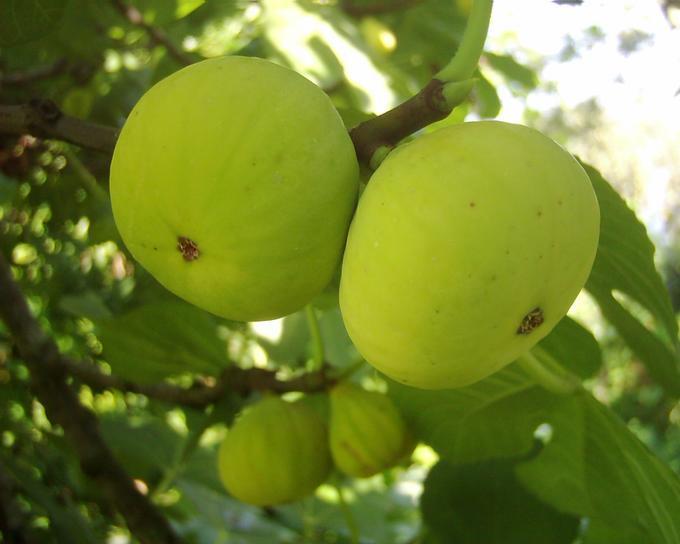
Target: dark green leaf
x=87, y=304
x=599, y=533
x=26, y=20
x=591, y=458
x=485, y=504
x=574, y=347
x=8, y=189
x=163, y=339
x=625, y=263
x=512, y=70
x=145, y=445
x=487, y=102
x=493, y=418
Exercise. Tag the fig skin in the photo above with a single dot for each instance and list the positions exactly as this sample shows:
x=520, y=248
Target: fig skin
x=468, y=246
x=233, y=183
x=276, y=452
x=367, y=433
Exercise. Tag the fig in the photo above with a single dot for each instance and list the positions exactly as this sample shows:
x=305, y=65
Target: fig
x=233, y=183
x=276, y=452
x=468, y=246
x=367, y=433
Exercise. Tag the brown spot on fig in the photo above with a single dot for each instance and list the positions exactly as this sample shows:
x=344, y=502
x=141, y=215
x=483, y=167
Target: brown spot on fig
x=472, y=204
x=188, y=248
x=532, y=320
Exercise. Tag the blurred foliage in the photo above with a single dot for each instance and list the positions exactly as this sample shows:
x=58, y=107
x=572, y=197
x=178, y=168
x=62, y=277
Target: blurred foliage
x=510, y=451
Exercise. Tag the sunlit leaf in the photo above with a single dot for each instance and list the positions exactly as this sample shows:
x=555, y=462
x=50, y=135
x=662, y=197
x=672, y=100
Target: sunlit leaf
x=163, y=339
x=625, y=263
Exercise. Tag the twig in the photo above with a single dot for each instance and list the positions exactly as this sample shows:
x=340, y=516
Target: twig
x=158, y=37
x=426, y=107
x=201, y=394
x=44, y=119
x=48, y=380
x=35, y=74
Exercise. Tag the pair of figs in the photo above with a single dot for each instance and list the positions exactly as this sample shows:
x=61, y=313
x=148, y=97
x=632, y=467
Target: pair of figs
x=234, y=182
x=279, y=451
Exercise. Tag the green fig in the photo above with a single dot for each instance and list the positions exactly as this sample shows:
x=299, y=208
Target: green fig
x=468, y=246
x=276, y=452
x=233, y=183
x=367, y=433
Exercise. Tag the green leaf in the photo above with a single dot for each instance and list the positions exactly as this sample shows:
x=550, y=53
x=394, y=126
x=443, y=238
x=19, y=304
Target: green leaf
x=320, y=42
x=162, y=339
x=22, y=21
x=493, y=418
x=594, y=466
x=8, y=189
x=661, y=360
x=485, y=504
x=162, y=12
x=427, y=34
x=512, y=70
x=86, y=304
x=144, y=445
x=574, y=347
x=487, y=102
x=625, y=263
x=590, y=456
x=599, y=533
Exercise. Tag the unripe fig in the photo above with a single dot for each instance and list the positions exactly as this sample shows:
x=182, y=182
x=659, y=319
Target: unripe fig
x=276, y=452
x=367, y=433
x=469, y=244
x=233, y=182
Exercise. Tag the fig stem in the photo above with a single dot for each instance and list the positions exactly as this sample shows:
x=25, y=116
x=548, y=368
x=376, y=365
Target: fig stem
x=84, y=175
x=351, y=369
x=548, y=373
x=318, y=351
x=464, y=62
x=347, y=513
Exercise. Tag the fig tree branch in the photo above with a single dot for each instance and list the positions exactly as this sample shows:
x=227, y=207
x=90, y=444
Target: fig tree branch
x=34, y=74
x=80, y=425
x=44, y=119
x=205, y=392
x=426, y=107
x=14, y=526
x=157, y=36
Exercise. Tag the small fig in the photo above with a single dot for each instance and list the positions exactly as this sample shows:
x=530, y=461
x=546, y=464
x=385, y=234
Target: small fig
x=367, y=432
x=276, y=452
